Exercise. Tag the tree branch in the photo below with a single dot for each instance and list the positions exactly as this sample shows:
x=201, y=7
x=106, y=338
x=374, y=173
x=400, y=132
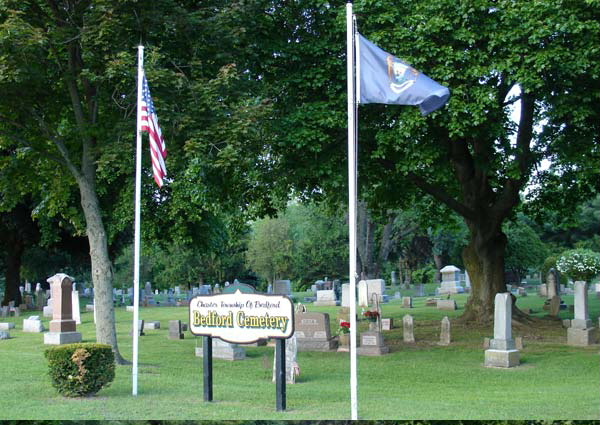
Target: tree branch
x=442, y=196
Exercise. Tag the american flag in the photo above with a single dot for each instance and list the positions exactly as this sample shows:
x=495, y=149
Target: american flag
x=158, y=150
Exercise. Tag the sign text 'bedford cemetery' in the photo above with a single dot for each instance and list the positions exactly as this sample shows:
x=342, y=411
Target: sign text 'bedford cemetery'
x=242, y=318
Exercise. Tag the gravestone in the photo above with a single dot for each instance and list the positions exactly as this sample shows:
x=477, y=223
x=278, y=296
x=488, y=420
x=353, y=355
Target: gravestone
x=4, y=335
x=63, y=329
x=175, y=329
x=325, y=298
x=387, y=324
x=552, y=288
x=554, y=306
x=33, y=324
x=4, y=311
x=47, y=311
x=450, y=280
x=445, y=331
x=140, y=328
x=224, y=350
x=282, y=287
x=372, y=344
x=502, y=351
x=40, y=300
x=408, y=328
x=407, y=302
x=5, y=326
x=153, y=325
x=375, y=286
x=420, y=290
x=345, y=295
x=75, y=307
x=446, y=305
x=313, y=332
x=363, y=294
x=581, y=331
x=291, y=361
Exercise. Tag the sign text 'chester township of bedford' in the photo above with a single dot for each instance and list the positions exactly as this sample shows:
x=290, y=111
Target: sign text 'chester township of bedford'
x=242, y=317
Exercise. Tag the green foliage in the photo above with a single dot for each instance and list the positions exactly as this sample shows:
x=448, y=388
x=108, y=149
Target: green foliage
x=78, y=370
x=525, y=250
x=424, y=274
x=270, y=249
x=579, y=264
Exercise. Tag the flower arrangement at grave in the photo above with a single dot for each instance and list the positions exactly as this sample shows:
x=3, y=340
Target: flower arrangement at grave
x=344, y=328
x=579, y=264
x=371, y=316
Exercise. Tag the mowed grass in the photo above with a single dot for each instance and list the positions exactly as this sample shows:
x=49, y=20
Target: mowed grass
x=415, y=381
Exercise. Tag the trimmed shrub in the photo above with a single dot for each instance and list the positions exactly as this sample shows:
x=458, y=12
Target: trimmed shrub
x=82, y=369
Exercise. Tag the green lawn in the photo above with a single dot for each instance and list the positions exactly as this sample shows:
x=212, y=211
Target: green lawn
x=419, y=381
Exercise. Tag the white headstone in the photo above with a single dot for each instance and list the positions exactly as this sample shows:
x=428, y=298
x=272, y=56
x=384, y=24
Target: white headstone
x=75, y=306
x=375, y=286
x=345, y=295
x=408, y=327
x=363, y=294
x=582, y=318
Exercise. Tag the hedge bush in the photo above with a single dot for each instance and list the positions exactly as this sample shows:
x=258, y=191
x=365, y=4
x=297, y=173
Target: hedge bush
x=81, y=369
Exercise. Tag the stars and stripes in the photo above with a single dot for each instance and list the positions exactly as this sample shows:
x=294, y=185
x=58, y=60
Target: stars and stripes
x=158, y=149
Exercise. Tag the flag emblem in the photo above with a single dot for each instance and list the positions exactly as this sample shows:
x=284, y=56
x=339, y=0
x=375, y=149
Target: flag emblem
x=401, y=76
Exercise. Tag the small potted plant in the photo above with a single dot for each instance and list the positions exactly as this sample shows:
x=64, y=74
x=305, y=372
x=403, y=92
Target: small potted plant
x=371, y=316
x=344, y=333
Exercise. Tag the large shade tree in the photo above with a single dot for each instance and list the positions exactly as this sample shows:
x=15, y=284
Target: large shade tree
x=67, y=115
x=525, y=83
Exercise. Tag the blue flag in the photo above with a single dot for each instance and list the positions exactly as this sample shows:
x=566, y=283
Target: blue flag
x=386, y=79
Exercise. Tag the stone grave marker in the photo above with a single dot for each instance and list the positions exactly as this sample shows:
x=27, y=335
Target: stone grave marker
x=4, y=311
x=502, y=351
x=450, y=280
x=372, y=344
x=407, y=302
x=445, y=331
x=5, y=326
x=291, y=361
x=153, y=325
x=554, y=306
x=33, y=324
x=375, y=286
x=75, y=307
x=282, y=287
x=581, y=331
x=4, y=335
x=326, y=298
x=63, y=329
x=408, y=328
x=175, y=331
x=446, y=305
x=224, y=350
x=345, y=295
x=387, y=324
x=47, y=310
x=140, y=328
x=313, y=332
x=552, y=287
x=363, y=294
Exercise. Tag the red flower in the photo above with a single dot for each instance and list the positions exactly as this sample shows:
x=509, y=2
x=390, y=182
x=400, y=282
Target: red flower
x=345, y=325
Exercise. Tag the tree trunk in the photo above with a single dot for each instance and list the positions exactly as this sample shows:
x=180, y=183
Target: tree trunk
x=437, y=260
x=12, y=273
x=484, y=260
x=102, y=273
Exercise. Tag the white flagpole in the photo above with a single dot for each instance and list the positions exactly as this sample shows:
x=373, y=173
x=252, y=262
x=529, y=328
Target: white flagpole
x=137, y=243
x=352, y=205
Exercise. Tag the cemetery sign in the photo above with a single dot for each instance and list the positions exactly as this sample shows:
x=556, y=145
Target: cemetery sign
x=242, y=318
